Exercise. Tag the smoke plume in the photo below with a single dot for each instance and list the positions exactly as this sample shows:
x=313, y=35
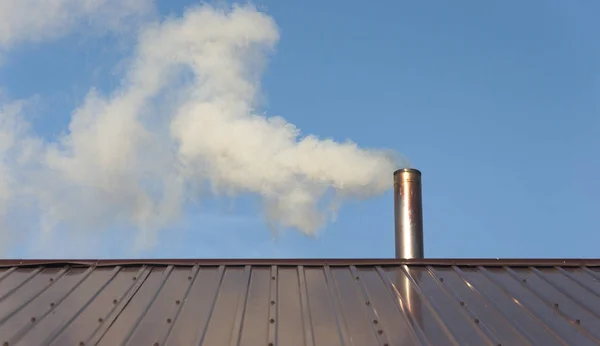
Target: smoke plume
x=184, y=117
x=39, y=20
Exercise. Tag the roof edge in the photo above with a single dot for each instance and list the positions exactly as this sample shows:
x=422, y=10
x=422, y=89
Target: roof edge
x=489, y=262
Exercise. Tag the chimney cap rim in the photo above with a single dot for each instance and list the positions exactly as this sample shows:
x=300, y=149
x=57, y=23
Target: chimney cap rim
x=408, y=170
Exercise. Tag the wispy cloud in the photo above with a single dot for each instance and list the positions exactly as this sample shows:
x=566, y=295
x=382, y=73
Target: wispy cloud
x=184, y=123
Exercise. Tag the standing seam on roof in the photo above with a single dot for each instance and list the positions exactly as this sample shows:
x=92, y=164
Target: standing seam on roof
x=577, y=280
x=24, y=330
x=195, y=271
x=57, y=333
x=27, y=302
x=116, y=311
x=334, y=297
x=22, y=283
x=369, y=309
x=550, y=305
x=479, y=326
x=592, y=273
x=430, y=304
x=567, y=295
x=309, y=336
x=236, y=331
x=524, y=304
x=166, y=275
x=212, y=306
x=7, y=272
x=518, y=330
x=401, y=305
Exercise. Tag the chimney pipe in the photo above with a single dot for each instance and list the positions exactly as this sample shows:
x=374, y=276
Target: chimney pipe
x=408, y=213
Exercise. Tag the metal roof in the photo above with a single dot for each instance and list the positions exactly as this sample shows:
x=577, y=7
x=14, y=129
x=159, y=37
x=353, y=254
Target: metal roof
x=300, y=302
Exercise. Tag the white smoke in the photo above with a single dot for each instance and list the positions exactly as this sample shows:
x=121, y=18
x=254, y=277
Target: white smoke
x=38, y=20
x=185, y=115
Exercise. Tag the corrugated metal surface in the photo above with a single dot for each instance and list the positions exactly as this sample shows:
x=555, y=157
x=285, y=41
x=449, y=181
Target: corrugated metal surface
x=293, y=305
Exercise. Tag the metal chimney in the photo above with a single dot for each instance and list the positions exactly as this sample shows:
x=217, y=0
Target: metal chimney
x=408, y=213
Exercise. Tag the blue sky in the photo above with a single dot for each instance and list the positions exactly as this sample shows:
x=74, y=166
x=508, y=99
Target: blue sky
x=496, y=103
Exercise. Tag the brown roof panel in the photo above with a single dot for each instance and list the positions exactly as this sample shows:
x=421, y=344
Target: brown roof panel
x=261, y=304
